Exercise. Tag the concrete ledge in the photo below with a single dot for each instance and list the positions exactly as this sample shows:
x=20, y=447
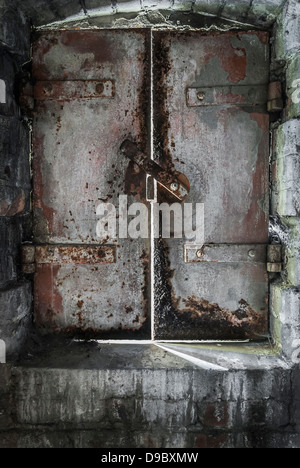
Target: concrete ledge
x=142, y=396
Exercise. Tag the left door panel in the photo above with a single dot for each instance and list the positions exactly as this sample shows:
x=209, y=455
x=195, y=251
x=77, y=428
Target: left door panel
x=91, y=92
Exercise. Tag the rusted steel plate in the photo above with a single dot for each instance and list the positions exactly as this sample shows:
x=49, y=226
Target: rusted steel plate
x=224, y=152
x=66, y=90
x=230, y=95
x=226, y=253
x=77, y=165
x=75, y=254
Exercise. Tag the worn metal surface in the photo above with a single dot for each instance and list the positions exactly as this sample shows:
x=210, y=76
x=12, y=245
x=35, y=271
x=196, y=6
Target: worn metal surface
x=222, y=148
x=91, y=93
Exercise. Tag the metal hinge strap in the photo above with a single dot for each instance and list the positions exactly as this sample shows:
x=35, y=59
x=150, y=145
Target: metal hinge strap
x=66, y=254
x=274, y=264
x=275, y=101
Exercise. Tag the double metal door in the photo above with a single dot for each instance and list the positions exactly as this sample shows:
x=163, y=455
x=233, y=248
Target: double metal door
x=195, y=104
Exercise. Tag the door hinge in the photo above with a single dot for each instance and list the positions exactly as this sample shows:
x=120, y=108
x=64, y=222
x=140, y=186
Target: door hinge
x=275, y=100
x=274, y=263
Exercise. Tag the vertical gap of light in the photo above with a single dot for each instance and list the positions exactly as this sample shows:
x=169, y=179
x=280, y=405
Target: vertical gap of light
x=152, y=245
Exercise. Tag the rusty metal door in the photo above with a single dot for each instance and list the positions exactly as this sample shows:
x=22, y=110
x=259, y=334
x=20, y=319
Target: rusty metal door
x=91, y=92
x=210, y=122
x=209, y=91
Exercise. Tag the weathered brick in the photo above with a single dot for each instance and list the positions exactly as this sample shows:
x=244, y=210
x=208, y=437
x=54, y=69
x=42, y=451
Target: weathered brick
x=291, y=26
x=94, y=4
x=15, y=316
x=292, y=110
x=10, y=239
x=39, y=12
x=285, y=303
x=6, y=403
x=236, y=9
x=207, y=6
x=14, y=150
x=217, y=415
x=7, y=74
x=212, y=441
x=14, y=30
x=286, y=170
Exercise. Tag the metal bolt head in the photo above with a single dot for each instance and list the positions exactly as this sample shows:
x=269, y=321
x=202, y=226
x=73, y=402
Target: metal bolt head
x=48, y=89
x=251, y=253
x=99, y=88
x=174, y=186
x=199, y=253
x=200, y=95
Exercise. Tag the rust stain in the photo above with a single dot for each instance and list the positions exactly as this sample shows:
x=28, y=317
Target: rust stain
x=42, y=211
x=135, y=182
x=263, y=36
x=41, y=46
x=146, y=291
x=87, y=42
x=256, y=218
x=47, y=299
x=162, y=67
x=233, y=59
x=83, y=254
x=38, y=193
x=199, y=319
x=135, y=177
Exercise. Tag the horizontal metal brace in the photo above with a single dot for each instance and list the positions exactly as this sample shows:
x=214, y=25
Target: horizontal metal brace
x=226, y=253
x=70, y=254
x=67, y=90
x=229, y=95
x=271, y=255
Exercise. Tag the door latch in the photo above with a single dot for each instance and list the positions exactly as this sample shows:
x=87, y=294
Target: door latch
x=170, y=180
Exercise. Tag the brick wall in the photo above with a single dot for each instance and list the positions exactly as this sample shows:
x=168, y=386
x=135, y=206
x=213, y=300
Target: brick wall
x=15, y=184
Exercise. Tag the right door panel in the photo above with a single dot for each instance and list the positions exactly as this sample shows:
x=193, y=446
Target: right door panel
x=210, y=122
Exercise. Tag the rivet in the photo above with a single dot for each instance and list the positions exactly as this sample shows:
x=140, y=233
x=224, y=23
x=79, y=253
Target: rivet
x=99, y=88
x=174, y=186
x=48, y=89
x=200, y=95
x=199, y=253
x=251, y=253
